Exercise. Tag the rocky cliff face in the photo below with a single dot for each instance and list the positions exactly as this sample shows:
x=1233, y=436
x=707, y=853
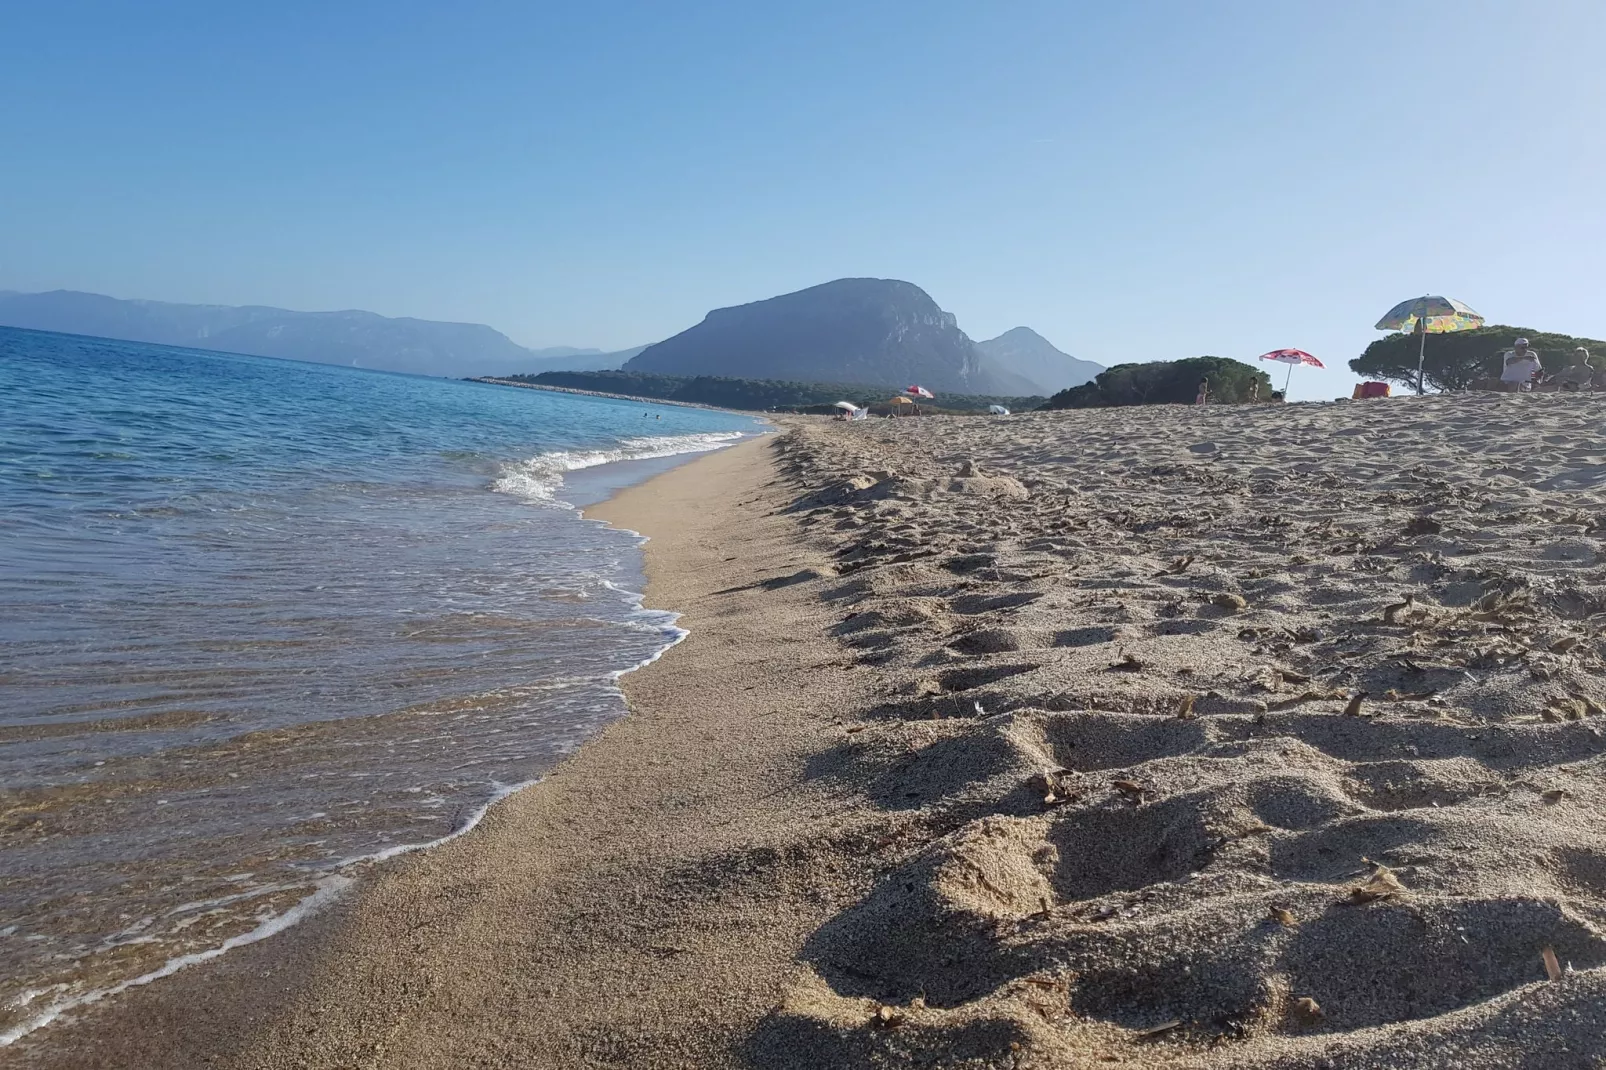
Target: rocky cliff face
x=879, y=331
x=1024, y=352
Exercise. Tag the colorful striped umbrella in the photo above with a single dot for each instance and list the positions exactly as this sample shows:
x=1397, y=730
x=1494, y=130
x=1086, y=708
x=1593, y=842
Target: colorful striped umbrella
x=919, y=392
x=1429, y=315
x=1437, y=315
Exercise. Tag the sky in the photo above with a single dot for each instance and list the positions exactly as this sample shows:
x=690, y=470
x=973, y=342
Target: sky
x=1135, y=181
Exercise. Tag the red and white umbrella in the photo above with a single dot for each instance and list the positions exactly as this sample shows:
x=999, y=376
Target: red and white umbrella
x=918, y=391
x=1291, y=357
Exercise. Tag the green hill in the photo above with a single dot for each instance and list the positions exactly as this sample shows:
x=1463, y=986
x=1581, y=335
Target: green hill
x=1166, y=382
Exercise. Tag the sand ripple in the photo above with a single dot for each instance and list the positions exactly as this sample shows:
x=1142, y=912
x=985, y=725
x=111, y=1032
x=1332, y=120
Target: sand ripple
x=1228, y=737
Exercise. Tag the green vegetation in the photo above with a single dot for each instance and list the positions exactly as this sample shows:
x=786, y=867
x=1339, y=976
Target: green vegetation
x=1457, y=360
x=1166, y=382
x=761, y=395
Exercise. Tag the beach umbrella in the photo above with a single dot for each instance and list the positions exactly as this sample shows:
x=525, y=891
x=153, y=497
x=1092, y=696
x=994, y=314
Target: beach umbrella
x=916, y=392
x=1291, y=357
x=846, y=405
x=1428, y=315
x=998, y=410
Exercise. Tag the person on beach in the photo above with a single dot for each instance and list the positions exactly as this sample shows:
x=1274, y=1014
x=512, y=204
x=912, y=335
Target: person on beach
x=1204, y=392
x=1579, y=375
x=1519, y=367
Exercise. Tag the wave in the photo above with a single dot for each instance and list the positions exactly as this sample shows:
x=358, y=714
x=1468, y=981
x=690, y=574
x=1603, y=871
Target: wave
x=540, y=477
x=334, y=883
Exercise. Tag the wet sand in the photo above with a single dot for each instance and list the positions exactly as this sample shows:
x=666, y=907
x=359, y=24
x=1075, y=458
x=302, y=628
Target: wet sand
x=1222, y=738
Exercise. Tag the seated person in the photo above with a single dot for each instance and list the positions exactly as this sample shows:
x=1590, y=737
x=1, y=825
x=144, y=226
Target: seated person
x=1579, y=375
x=1520, y=366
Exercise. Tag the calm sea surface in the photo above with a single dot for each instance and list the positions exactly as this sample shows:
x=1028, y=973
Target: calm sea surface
x=261, y=618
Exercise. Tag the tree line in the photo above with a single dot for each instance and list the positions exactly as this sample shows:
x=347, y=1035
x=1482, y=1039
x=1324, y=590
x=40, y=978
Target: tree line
x=758, y=395
x=1453, y=362
x=1457, y=360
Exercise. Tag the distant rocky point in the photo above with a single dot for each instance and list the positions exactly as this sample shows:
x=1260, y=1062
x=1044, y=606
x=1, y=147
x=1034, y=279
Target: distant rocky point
x=869, y=331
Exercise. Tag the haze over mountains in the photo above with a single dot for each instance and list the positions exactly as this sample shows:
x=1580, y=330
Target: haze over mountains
x=877, y=331
x=356, y=338
x=1026, y=353
x=569, y=359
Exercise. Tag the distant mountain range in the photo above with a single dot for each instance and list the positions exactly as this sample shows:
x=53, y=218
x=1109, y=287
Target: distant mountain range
x=875, y=331
x=360, y=339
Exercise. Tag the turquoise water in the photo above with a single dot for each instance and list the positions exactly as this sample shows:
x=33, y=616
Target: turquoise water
x=260, y=618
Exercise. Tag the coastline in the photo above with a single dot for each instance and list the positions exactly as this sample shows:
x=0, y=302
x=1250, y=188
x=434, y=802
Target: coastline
x=1048, y=742
x=576, y=880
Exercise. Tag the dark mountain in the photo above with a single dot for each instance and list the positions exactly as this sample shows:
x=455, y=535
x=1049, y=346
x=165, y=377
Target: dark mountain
x=361, y=339
x=1026, y=353
x=849, y=331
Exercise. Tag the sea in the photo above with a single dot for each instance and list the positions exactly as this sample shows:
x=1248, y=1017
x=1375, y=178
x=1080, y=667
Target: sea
x=262, y=621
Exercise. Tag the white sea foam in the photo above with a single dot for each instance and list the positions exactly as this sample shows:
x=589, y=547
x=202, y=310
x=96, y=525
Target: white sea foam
x=328, y=889
x=540, y=477
x=325, y=892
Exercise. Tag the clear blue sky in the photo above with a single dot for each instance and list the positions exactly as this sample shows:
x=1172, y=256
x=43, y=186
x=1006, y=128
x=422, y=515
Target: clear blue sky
x=1136, y=181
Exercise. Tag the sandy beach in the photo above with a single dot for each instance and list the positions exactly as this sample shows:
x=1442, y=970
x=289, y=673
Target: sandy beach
x=1236, y=737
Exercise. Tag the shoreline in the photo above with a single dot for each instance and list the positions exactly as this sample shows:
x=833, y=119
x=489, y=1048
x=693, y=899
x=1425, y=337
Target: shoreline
x=238, y=1010
x=584, y=488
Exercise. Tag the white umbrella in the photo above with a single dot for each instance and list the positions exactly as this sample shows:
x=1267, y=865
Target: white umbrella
x=848, y=405
x=998, y=410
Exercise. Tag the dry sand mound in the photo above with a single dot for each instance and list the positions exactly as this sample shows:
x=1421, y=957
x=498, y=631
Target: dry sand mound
x=1233, y=737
